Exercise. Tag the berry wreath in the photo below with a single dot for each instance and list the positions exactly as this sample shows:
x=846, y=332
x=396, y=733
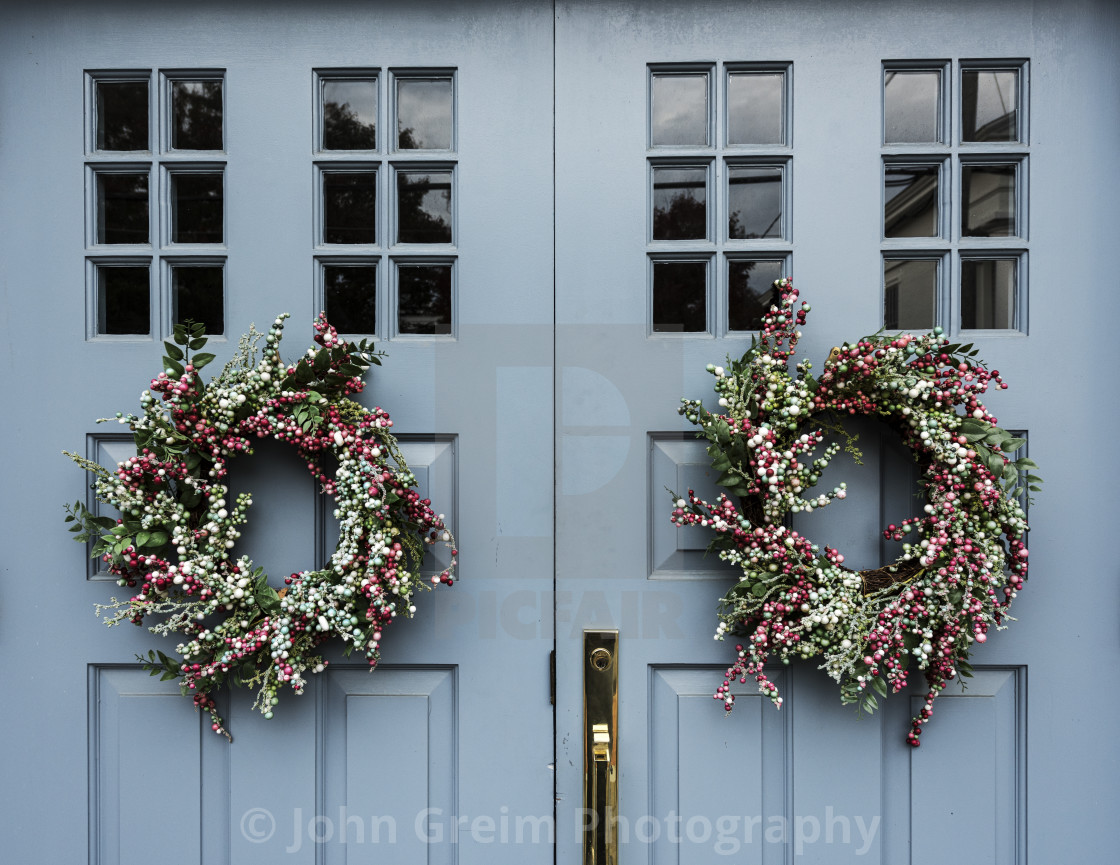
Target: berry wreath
x=177, y=529
x=796, y=599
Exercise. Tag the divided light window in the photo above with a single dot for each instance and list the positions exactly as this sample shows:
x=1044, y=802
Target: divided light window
x=719, y=167
x=386, y=230
x=155, y=201
x=954, y=195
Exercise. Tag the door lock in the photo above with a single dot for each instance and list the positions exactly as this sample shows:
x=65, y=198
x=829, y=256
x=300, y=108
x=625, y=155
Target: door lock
x=600, y=743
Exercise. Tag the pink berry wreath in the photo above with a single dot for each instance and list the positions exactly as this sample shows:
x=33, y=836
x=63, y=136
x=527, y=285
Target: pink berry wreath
x=175, y=537
x=796, y=599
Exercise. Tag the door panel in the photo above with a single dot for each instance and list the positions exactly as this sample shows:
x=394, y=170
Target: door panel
x=362, y=766
x=831, y=787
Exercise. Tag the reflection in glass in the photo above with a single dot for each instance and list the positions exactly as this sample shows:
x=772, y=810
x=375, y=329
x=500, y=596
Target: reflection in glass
x=911, y=102
x=350, y=297
x=196, y=115
x=123, y=299
x=910, y=201
x=122, y=115
x=680, y=296
x=349, y=206
x=750, y=292
x=988, y=288
x=680, y=203
x=988, y=201
x=122, y=208
x=680, y=109
x=196, y=208
x=754, y=207
x=424, y=113
x=350, y=114
x=755, y=112
x=197, y=294
x=424, y=207
x=424, y=298
x=910, y=294
x=989, y=105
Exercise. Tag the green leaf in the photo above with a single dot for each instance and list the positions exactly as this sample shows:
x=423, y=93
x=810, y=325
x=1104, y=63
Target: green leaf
x=1013, y=444
x=158, y=538
x=200, y=360
x=1025, y=463
x=303, y=372
x=995, y=464
x=196, y=344
x=175, y=367
x=142, y=539
x=322, y=361
x=879, y=685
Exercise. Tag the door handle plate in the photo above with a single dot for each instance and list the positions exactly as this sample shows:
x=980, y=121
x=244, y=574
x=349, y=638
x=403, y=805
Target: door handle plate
x=600, y=747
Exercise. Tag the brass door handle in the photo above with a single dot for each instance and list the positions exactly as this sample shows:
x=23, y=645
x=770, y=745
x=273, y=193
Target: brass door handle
x=600, y=718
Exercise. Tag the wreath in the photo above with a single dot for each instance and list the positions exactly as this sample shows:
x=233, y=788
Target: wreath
x=962, y=562
x=178, y=525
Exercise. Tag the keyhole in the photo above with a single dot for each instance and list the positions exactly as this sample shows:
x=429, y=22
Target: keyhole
x=601, y=659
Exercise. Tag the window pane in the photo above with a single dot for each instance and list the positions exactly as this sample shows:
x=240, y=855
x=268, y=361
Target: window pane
x=424, y=207
x=197, y=294
x=911, y=103
x=680, y=296
x=910, y=300
x=123, y=300
x=350, y=114
x=989, y=105
x=349, y=207
x=122, y=115
x=988, y=289
x=755, y=112
x=424, y=298
x=750, y=292
x=122, y=208
x=680, y=109
x=680, y=203
x=910, y=201
x=196, y=115
x=196, y=208
x=754, y=207
x=350, y=297
x=988, y=200
x=424, y=113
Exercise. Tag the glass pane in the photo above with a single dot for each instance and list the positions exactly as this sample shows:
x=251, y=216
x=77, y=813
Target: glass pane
x=350, y=297
x=123, y=300
x=350, y=114
x=424, y=298
x=910, y=300
x=122, y=208
x=911, y=102
x=196, y=208
x=754, y=207
x=680, y=203
x=910, y=201
x=988, y=201
x=755, y=112
x=196, y=115
x=197, y=294
x=680, y=109
x=989, y=104
x=424, y=207
x=424, y=113
x=680, y=296
x=750, y=292
x=122, y=115
x=349, y=207
x=988, y=289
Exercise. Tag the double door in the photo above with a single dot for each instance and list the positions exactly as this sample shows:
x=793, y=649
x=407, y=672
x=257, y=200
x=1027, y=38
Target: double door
x=551, y=217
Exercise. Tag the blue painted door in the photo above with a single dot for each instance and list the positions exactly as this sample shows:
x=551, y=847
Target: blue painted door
x=704, y=149
x=542, y=318
x=385, y=162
